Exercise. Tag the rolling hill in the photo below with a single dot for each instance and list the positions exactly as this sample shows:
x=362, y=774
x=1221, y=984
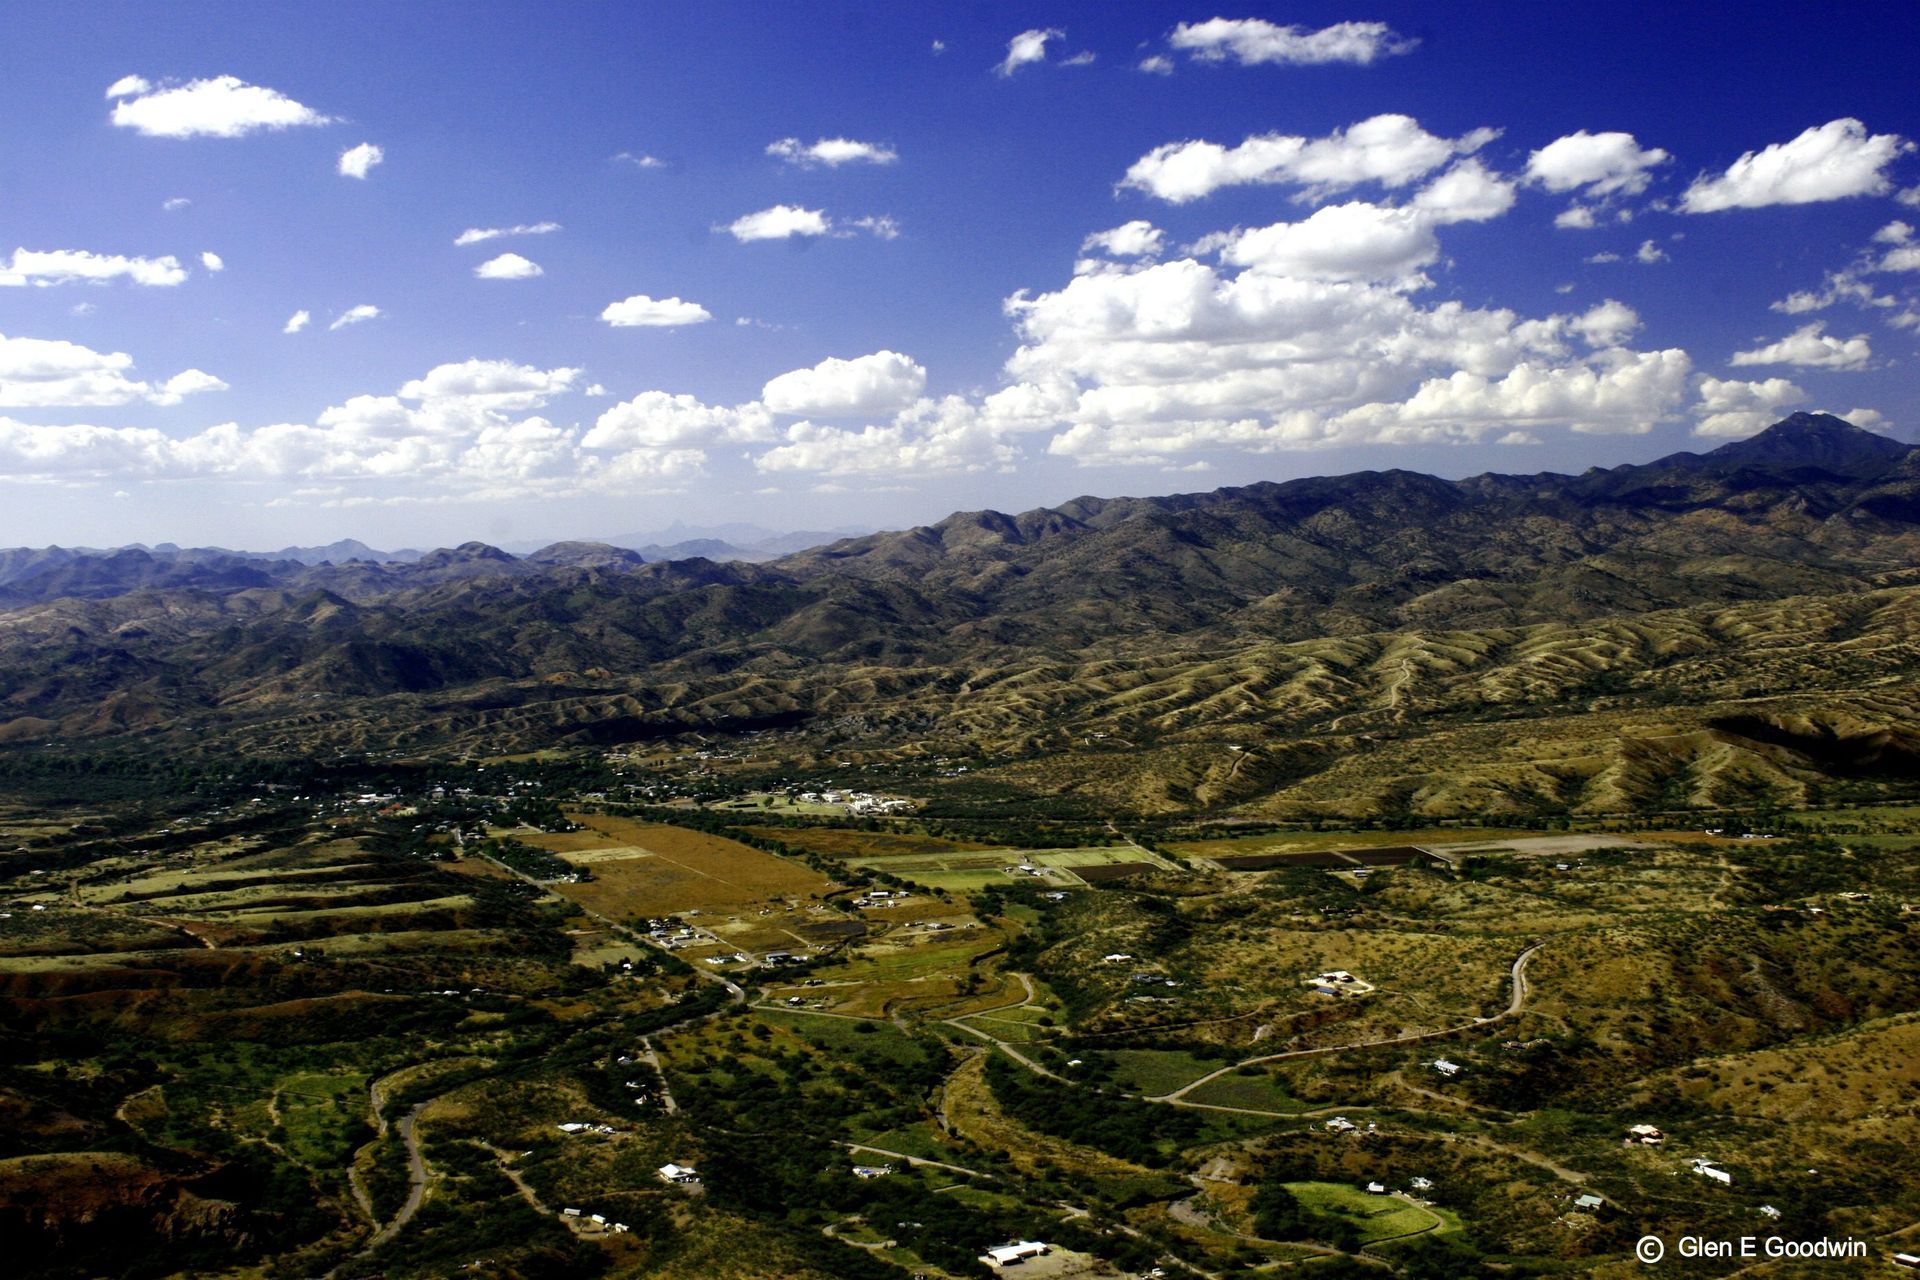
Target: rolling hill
x=1739, y=623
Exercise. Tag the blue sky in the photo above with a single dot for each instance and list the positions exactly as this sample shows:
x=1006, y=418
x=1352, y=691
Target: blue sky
x=819, y=265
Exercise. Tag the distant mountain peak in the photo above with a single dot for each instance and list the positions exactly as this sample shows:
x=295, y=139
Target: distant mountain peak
x=466, y=553
x=1817, y=439
x=584, y=554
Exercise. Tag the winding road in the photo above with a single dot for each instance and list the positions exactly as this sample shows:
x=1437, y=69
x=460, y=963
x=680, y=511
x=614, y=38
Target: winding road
x=416, y=1181
x=1517, y=974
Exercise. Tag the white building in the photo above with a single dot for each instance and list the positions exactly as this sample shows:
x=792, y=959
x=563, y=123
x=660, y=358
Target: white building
x=1708, y=1169
x=678, y=1173
x=1012, y=1255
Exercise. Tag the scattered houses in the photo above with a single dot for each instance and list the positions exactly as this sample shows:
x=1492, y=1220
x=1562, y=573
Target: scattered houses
x=1645, y=1135
x=678, y=1174
x=1589, y=1202
x=1445, y=1068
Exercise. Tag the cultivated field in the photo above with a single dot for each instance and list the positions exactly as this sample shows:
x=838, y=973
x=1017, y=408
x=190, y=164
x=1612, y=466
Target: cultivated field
x=643, y=869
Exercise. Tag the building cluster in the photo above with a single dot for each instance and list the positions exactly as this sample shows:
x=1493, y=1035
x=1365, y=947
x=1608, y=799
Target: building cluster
x=594, y=1221
x=859, y=804
x=581, y=1126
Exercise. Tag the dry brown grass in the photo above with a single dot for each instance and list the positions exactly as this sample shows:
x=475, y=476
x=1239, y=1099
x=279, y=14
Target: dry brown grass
x=651, y=869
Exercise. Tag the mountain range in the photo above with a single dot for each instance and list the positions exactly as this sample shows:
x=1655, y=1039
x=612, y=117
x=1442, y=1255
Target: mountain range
x=1278, y=613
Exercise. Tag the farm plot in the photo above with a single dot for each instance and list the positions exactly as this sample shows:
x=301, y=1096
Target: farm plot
x=1054, y=868
x=651, y=869
x=886, y=978
x=1392, y=856
x=1542, y=846
x=1376, y=1217
x=1322, y=841
x=1274, y=861
x=835, y=842
x=1115, y=871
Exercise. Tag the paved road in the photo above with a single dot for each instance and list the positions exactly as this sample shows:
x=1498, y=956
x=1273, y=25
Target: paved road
x=416, y=1181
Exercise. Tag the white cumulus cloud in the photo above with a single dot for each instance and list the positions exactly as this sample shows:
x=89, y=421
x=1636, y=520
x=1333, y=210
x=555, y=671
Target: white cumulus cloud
x=1598, y=164
x=459, y=429
x=475, y=235
x=213, y=262
x=355, y=315
x=51, y=373
x=297, y=321
x=128, y=87
x=1811, y=347
x=661, y=420
x=357, y=161
x=640, y=311
x=1468, y=192
x=1028, y=47
x=1827, y=162
x=1613, y=391
x=66, y=266
x=495, y=384
x=883, y=382
x=832, y=152
x=1729, y=407
x=928, y=437
x=1136, y=239
x=880, y=227
x=508, y=266
x=1608, y=324
x=1392, y=150
x=781, y=222
x=1252, y=41
x=220, y=107
x=1307, y=335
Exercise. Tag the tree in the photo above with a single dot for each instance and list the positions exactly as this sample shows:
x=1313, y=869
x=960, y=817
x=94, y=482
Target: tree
x=1276, y=1212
